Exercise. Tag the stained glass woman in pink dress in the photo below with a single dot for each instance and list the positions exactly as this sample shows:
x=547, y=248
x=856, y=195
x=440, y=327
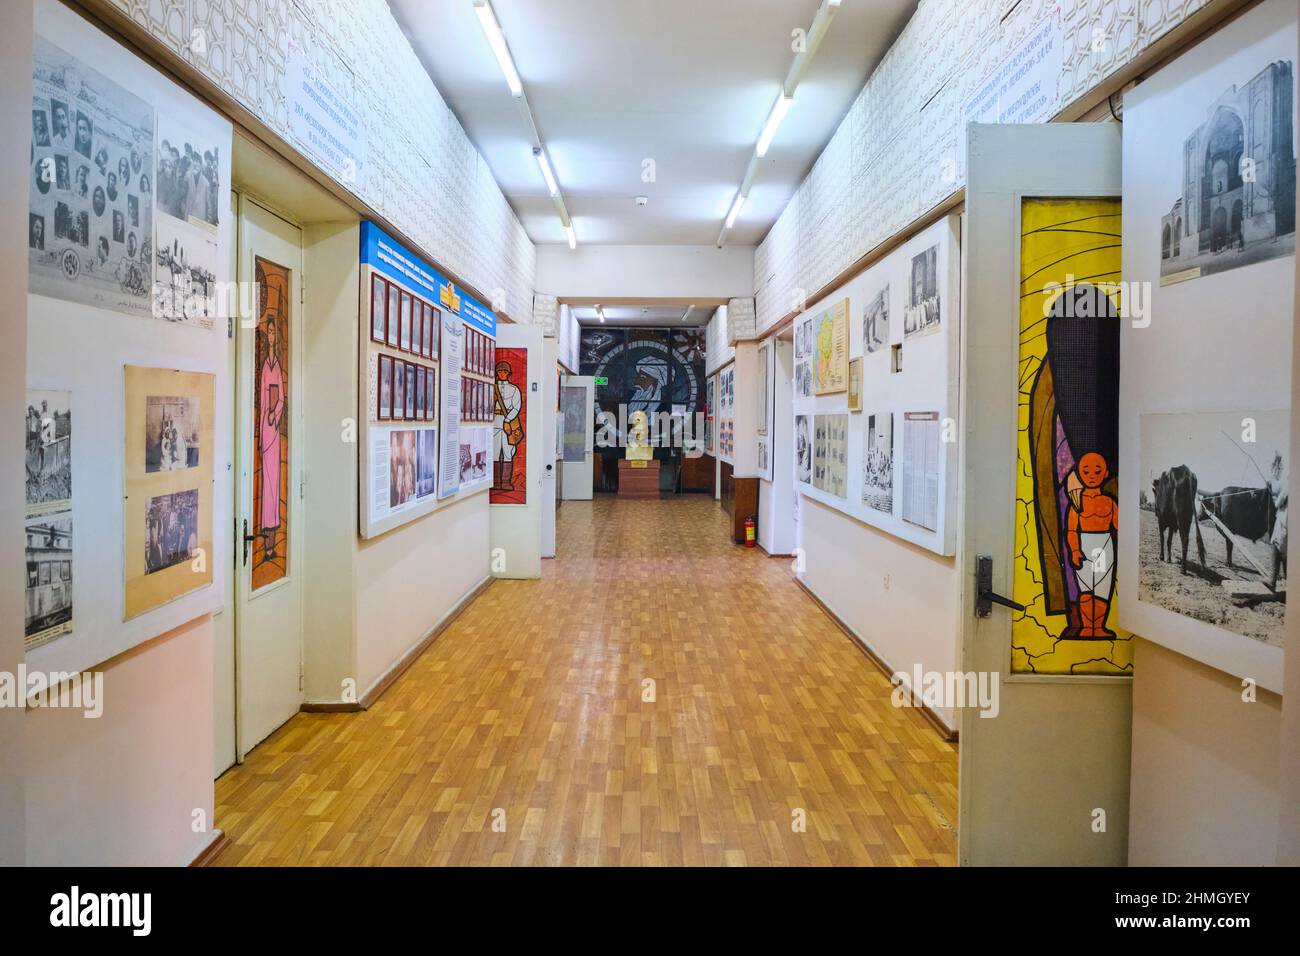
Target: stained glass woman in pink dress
x=271, y=402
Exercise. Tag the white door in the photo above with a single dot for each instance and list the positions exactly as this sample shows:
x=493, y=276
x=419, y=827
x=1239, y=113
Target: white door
x=1045, y=781
x=269, y=592
x=515, y=516
x=578, y=406
x=550, y=452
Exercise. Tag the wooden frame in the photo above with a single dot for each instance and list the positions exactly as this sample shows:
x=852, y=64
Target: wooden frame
x=405, y=344
x=384, y=376
x=378, y=308
x=393, y=338
x=399, y=390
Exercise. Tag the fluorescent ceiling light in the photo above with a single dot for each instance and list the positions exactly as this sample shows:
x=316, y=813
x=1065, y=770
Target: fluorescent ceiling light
x=573, y=239
x=735, y=210
x=687, y=314
x=601, y=313
x=547, y=173
x=497, y=40
x=779, y=109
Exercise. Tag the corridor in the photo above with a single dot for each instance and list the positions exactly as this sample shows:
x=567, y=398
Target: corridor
x=659, y=697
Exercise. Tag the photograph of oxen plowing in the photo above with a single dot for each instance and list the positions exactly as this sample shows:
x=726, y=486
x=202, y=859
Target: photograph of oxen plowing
x=1213, y=509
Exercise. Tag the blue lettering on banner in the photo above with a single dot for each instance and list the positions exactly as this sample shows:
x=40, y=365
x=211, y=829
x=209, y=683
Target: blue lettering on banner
x=392, y=259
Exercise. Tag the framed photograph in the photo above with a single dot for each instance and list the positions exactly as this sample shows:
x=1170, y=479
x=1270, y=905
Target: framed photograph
x=419, y=393
x=410, y=391
x=425, y=332
x=417, y=327
x=378, y=300
x=394, y=310
x=384, y=389
x=434, y=319
x=855, y=384
x=406, y=322
x=399, y=389
x=472, y=344
x=431, y=393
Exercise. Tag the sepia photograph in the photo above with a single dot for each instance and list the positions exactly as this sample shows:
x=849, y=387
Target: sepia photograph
x=49, y=451
x=48, y=612
x=803, y=449
x=426, y=464
x=921, y=316
x=1213, y=506
x=878, y=462
x=875, y=321
x=171, y=530
x=171, y=440
x=384, y=369
x=401, y=467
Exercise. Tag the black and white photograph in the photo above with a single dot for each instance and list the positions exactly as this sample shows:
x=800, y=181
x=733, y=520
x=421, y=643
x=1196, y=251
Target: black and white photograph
x=878, y=462
x=384, y=369
x=830, y=453
x=189, y=174
x=1233, y=178
x=399, y=389
x=410, y=391
x=378, y=298
x=185, y=274
x=60, y=125
x=875, y=321
x=466, y=458
x=426, y=462
x=49, y=451
x=803, y=449
x=171, y=530
x=171, y=440
x=921, y=316
x=401, y=467
x=394, y=315
x=109, y=124
x=40, y=128
x=48, y=612
x=35, y=231
x=1213, y=506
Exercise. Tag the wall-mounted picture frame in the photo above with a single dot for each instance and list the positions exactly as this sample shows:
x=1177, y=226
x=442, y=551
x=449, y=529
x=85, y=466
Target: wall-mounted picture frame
x=393, y=336
x=410, y=391
x=399, y=390
x=431, y=394
x=406, y=322
x=378, y=308
x=419, y=393
x=384, y=388
x=855, y=384
x=417, y=328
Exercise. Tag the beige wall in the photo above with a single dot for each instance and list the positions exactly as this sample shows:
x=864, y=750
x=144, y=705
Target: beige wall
x=1204, y=789
x=331, y=270
x=15, y=107
x=123, y=789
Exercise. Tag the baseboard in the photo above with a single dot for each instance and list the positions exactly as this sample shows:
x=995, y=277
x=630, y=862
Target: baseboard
x=209, y=853
x=406, y=660
x=949, y=734
x=329, y=707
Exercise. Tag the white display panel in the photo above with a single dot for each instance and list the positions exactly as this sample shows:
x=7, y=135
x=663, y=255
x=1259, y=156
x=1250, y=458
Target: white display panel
x=1205, y=371
x=84, y=348
x=900, y=451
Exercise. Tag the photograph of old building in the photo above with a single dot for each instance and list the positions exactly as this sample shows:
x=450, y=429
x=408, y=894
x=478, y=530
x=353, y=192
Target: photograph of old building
x=1238, y=182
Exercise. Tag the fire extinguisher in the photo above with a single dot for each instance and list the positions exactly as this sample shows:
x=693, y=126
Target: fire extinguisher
x=750, y=532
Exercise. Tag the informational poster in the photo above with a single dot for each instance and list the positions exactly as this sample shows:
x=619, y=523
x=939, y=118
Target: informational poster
x=90, y=222
x=322, y=124
x=403, y=462
x=922, y=461
x=453, y=340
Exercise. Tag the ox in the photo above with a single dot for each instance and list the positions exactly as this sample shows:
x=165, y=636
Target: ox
x=1175, y=497
x=1248, y=512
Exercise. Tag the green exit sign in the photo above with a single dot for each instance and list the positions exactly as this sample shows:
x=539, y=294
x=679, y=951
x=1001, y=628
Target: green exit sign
x=602, y=380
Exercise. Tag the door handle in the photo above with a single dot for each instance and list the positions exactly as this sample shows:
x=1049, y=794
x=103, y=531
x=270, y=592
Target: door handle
x=248, y=539
x=985, y=597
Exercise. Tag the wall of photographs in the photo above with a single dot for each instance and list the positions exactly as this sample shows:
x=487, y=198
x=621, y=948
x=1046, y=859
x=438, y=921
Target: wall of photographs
x=427, y=366
x=727, y=414
x=876, y=393
x=128, y=404
x=1205, y=371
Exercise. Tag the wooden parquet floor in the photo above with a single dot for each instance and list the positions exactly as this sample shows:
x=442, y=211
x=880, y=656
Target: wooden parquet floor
x=527, y=734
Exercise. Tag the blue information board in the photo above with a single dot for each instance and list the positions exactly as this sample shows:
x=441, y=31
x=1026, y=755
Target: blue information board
x=393, y=260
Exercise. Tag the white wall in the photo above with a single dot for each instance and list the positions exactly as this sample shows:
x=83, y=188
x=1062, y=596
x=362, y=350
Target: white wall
x=912, y=619
x=717, y=351
x=651, y=272
x=409, y=579
x=15, y=114
x=122, y=790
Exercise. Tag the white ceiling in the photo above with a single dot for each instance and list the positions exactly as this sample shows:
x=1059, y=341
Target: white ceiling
x=687, y=83
x=649, y=314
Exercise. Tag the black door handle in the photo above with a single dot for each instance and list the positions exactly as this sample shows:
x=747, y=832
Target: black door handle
x=985, y=596
x=248, y=539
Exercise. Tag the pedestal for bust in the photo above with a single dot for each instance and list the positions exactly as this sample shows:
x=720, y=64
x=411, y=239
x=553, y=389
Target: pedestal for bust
x=638, y=478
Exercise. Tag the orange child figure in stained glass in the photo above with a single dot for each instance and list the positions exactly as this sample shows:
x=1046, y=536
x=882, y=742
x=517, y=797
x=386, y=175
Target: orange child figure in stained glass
x=1092, y=523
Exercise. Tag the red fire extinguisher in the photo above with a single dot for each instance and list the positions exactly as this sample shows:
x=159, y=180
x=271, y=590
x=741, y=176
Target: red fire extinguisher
x=750, y=532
